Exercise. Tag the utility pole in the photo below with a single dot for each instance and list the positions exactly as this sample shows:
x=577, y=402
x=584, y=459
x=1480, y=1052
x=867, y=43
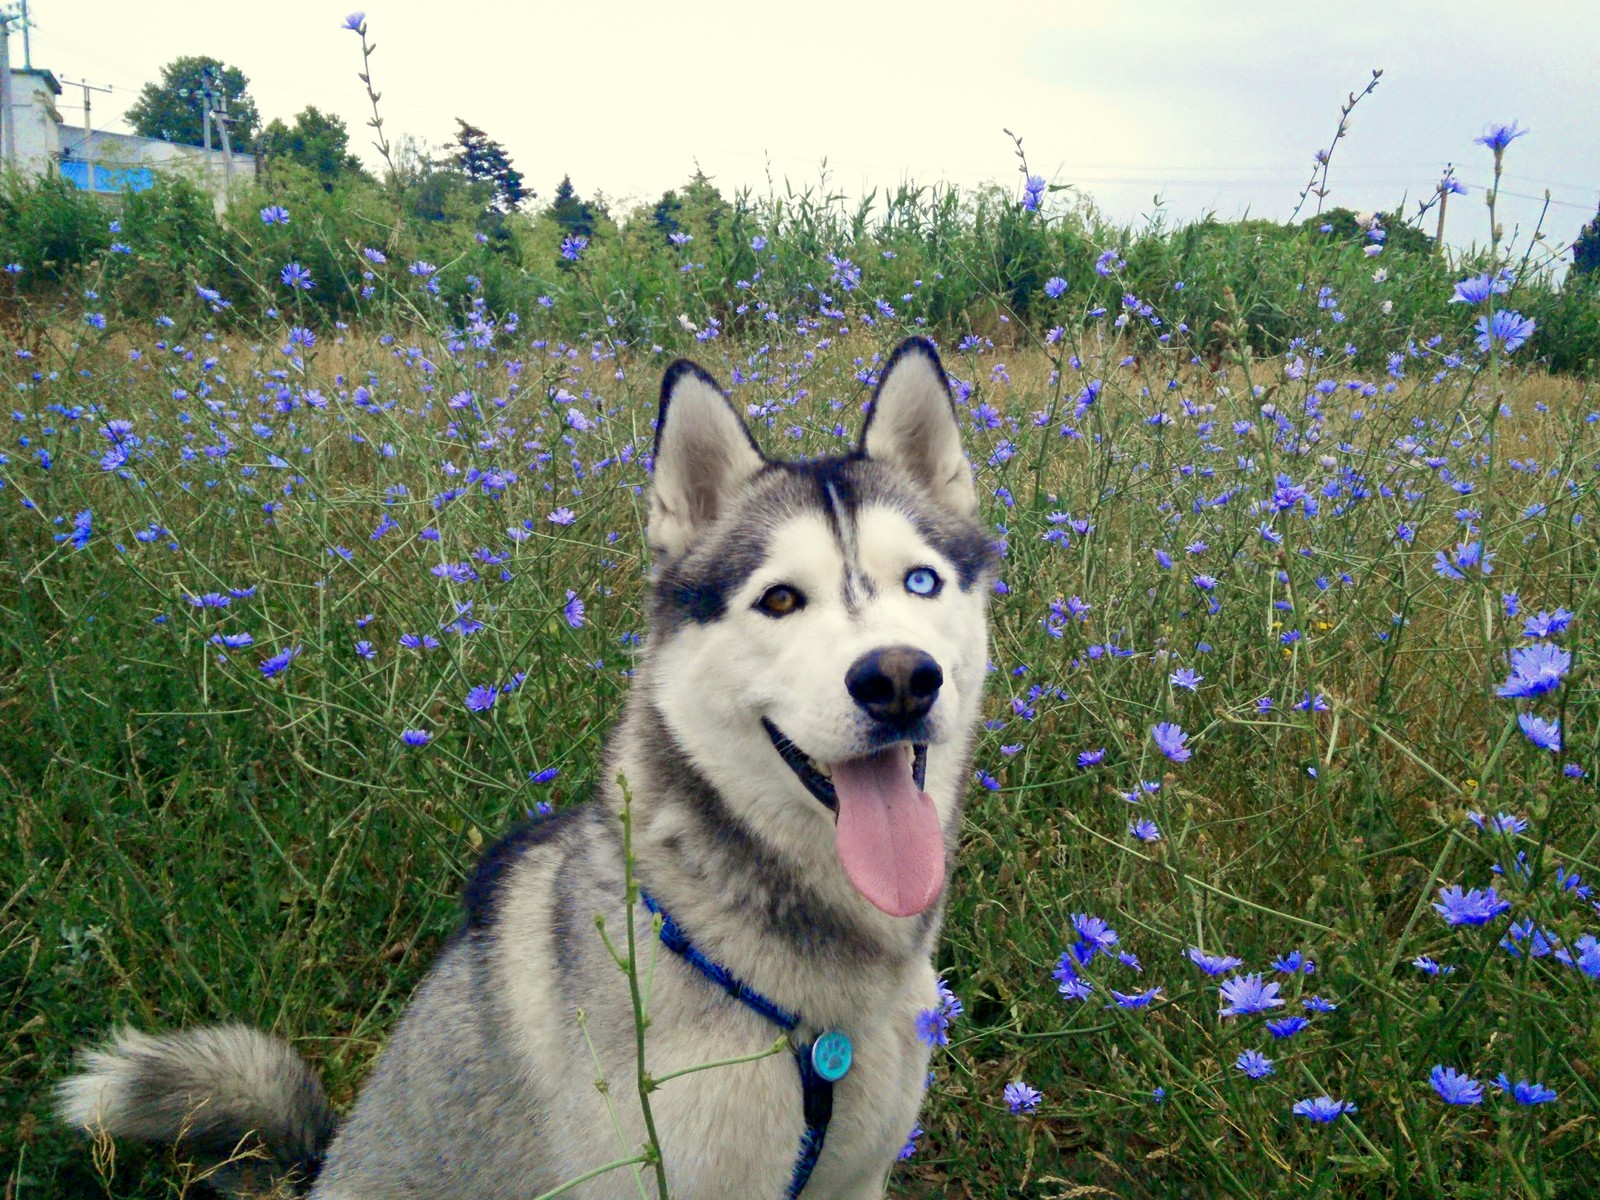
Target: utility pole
x=27, y=47
x=206, y=93
x=223, y=121
x=8, y=113
x=214, y=109
x=88, y=126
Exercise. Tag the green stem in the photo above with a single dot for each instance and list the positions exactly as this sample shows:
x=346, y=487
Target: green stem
x=591, y=1174
x=641, y=1020
x=777, y=1047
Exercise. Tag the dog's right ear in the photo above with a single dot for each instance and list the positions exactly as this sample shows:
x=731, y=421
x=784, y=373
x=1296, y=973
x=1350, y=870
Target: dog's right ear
x=704, y=455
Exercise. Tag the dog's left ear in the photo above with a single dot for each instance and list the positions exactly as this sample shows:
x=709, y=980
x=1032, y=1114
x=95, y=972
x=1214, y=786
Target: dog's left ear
x=704, y=455
x=912, y=426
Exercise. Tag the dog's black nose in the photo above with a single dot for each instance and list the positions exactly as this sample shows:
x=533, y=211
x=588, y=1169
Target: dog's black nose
x=896, y=685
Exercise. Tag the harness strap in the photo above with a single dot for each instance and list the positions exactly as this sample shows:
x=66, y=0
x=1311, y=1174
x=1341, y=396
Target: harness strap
x=817, y=1104
x=816, y=1092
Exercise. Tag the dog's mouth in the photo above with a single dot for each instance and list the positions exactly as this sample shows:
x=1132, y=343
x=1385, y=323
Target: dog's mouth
x=818, y=776
x=886, y=828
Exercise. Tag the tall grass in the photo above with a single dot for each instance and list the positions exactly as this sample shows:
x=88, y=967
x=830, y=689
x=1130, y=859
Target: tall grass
x=262, y=544
x=938, y=257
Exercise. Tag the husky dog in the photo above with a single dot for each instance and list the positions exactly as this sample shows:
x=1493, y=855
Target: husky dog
x=795, y=752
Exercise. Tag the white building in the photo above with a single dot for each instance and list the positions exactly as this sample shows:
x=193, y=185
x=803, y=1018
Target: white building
x=104, y=162
x=33, y=104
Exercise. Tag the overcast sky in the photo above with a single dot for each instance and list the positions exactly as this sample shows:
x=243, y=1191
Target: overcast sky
x=1213, y=105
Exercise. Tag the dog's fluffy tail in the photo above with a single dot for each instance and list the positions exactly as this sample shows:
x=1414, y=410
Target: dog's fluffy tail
x=243, y=1106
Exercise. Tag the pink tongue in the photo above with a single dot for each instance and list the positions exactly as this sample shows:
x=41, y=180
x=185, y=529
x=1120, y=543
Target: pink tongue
x=888, y=834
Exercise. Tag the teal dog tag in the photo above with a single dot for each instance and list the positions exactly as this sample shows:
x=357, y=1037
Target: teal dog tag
x=831, y=1054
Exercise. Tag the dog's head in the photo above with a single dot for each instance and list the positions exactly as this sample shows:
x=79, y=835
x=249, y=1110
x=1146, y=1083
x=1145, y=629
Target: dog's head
x=819, y=627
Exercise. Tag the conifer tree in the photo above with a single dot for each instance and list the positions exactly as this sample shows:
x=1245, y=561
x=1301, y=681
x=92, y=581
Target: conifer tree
x=482, y=159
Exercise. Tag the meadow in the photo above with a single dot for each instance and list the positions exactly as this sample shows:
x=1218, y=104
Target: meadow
x=1275, y=869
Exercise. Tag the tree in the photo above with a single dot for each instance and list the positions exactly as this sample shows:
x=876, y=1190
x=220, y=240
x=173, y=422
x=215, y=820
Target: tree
x=666, y=213
x=431, y=186
x=699, y=204
x=1586, y=250
x=317, y=141
x=173, y=109
x=577, y=217
x=484, y=160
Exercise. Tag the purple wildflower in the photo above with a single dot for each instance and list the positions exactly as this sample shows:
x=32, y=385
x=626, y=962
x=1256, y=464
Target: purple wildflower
x=1254, y=1064
x=1248, y=994
x=1477, y=907
x=1323, y=1109
x=1544, y=734
x=481, y=698
x=279, y=661
x=1454, y=1087
x=1511, y=329
x=1498, y=137
x=1213, y=964
x=1523, y=1091
x=294, y=275
x=1171, y=740
x=1535, y=669
x=1021, y=1098
x=1145, y=830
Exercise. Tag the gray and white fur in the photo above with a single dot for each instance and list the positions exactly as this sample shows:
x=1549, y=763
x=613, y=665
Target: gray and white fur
x=790, y=605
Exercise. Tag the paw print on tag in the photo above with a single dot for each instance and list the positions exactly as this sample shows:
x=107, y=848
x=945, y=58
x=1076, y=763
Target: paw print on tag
x=831, y=1054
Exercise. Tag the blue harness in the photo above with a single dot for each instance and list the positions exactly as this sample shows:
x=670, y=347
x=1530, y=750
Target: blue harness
x=821, y=1063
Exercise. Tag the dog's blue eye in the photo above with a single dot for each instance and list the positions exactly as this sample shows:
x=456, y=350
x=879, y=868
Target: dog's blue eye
x=923, y=581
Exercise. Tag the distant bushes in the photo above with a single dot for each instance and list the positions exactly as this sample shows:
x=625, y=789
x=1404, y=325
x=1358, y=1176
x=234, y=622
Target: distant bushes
x=693, y=255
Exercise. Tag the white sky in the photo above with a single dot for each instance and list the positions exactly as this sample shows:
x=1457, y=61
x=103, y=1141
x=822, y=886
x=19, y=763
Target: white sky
x=1212, y=104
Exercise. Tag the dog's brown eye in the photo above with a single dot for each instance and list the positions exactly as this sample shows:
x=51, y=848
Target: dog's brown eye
x=780, y=601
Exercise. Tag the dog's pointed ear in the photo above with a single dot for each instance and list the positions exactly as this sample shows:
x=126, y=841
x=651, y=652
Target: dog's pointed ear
x=913, y=426
x=704, y=454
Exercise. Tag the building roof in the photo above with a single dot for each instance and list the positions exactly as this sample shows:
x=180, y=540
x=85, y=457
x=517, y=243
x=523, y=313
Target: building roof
x=47, y=76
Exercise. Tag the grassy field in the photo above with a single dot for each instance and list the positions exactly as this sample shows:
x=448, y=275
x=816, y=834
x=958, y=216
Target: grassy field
x=254, y=568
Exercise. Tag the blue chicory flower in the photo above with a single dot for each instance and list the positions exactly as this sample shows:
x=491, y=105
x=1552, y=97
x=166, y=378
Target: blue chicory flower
x=1323, y=1109
x=1248, y=994
x=1455, y=1088
x=1021, y=1098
